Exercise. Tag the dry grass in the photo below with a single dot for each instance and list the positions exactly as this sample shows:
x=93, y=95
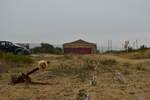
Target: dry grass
x=68, y=74
x=141, y=54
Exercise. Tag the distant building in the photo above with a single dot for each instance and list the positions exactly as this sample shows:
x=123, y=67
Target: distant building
x=79, y=47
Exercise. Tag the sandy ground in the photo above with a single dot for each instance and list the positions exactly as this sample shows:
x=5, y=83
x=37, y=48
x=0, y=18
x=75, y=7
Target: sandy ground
x=64, y=84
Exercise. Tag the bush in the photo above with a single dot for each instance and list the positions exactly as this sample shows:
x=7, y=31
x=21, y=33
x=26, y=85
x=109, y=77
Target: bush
x=15, y=58
x=47, y=48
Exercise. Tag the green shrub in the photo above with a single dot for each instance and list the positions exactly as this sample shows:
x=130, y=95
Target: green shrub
x=47, y=48
x=15, y=58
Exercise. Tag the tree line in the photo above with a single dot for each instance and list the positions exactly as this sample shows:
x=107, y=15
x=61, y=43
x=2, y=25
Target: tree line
x=47, y=48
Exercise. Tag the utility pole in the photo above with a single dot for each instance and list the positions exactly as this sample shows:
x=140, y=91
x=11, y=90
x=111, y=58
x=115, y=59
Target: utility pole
x=122, y=46
x=102, y=50
x=134, y=45
x=108, y=45
x=99, y=49
x=137, y=44
x=126, y=45
x=111, y=45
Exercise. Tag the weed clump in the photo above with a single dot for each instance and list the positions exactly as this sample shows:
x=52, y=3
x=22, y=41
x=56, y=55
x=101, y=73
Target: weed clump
x=108, y=61
x=15, y=58
x=139, y=67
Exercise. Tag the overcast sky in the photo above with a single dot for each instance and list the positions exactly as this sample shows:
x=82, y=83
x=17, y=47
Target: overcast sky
x=59, y=21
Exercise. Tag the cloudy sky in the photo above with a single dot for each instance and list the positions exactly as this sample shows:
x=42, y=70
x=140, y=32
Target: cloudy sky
x=59, y=21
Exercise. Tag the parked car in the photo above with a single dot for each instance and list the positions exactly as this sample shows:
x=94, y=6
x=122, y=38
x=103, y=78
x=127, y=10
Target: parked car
x=14, y=48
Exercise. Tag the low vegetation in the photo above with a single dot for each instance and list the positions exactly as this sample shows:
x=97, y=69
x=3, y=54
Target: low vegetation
x=137, y=54
x=9, y=57
x=116, y=79
x=47, y=48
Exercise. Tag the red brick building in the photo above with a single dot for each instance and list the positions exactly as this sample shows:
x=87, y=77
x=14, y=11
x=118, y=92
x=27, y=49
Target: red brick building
x=79, y=47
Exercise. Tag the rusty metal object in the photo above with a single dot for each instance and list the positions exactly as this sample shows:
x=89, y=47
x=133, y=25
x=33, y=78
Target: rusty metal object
x=25, y=78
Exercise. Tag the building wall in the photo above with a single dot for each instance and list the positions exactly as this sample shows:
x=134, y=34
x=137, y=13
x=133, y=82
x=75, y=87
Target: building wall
x=80, y=47
x=77, y=50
